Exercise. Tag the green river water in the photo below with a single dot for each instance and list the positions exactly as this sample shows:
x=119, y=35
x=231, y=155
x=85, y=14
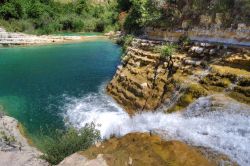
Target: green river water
x=34, y=81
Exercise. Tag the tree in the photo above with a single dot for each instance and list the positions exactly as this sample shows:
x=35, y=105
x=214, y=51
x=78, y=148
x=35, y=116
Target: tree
x=166, y=53
x=36, y=10
x=141, y=14
x=12, y=9
x=81, y=6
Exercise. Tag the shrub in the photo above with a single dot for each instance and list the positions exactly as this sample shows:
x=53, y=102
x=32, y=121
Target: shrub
x=167, y=50
x=63, y=144
x=48, y=16
x=184, y=40
x=36, y=10
x=12, y=9
x=126, y=41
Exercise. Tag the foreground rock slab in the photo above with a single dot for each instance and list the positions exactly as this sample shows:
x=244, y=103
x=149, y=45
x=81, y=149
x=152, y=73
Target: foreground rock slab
x=14, y=148
x=147, y=150
x=79, y=160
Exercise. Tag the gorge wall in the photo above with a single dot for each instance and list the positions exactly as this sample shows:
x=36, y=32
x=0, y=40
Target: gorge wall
x=209, y=29
x=142, y=81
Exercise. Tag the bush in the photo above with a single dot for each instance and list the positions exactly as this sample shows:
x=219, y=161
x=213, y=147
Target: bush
x=36, y=10
x=184, y=40
x=12, y=9
x=126, y=41
x=48, y=16
x=63, y=144
x=166, y=50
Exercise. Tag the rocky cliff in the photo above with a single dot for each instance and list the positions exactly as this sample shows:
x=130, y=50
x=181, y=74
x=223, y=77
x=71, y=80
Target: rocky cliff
x=142, y=82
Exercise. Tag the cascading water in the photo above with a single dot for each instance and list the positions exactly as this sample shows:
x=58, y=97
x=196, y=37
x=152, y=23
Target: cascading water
x=216, y=122
x=182, y=89
x=174, y=98
x=231, y=87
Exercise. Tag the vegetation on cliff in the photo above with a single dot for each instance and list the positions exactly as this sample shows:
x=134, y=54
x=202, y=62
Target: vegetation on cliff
x=62, y=144
x=171, y=13
x=48, y=16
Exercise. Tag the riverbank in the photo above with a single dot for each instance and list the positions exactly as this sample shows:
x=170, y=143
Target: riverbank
x=8, y=39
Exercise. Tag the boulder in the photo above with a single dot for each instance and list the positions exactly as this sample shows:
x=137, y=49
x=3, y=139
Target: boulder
x=144, y=85
x=197, y=49
x=205, y=20
x=212, y=52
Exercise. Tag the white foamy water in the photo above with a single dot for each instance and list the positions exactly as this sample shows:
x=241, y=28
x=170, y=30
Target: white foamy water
x=213, y=122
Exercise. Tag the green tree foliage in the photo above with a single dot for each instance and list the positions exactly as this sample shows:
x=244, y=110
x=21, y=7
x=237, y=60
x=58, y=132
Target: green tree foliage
x=167, y=50
x=63, y=144
x=170, y=13
x=49, y=16
x=12, y=9
x=166, y=53
x=124, y=5
x=142, y=13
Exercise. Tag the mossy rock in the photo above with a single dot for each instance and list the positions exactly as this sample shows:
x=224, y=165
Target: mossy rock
x=240, y=97
x=185, y=100
x=196, y=90
x=143, y=149
x=243, y=90
x=216, y=80
x=175, y=109
x=193, y=92
x=244, y=82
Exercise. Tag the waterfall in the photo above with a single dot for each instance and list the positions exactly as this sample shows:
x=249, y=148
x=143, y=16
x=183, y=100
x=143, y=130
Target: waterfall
x=194, y=78
x=215, y=122
x=231, y=87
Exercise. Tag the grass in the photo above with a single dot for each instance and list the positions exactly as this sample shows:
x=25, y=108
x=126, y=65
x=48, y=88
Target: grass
x=9, y=139
x=23, y=132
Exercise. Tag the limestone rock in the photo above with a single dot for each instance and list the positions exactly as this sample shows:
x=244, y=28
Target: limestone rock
x=17, y=151
x=146, y=149
x=205, y=20
x=197, y=49
x=79, y=160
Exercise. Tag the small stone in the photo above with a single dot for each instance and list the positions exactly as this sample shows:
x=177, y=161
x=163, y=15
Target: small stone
x=212, y=51
x=185, y=24
x=241, y=26
x=197, y=49
x=130, y=161
x=159, y=70
x=137, y=64
x=98, y=144
x=205, y=44
x=119, y=67
x=144, y=85
x=191, y=62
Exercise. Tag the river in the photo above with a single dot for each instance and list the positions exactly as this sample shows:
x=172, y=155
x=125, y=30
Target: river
x=36, y=81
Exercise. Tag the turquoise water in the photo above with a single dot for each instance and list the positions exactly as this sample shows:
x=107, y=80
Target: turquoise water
x=79, y=33
x=34, y=81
